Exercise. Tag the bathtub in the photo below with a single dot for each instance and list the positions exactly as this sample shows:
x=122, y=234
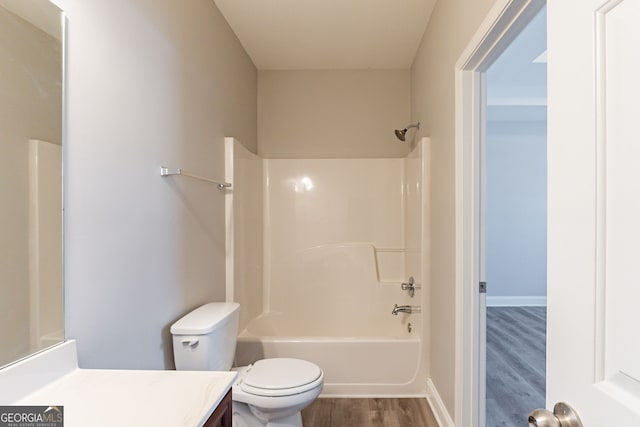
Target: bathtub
x=355, y=364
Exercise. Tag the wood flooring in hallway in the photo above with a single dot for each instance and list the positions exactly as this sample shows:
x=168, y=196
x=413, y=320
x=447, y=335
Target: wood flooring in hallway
x=516, y=364
x=406, y=412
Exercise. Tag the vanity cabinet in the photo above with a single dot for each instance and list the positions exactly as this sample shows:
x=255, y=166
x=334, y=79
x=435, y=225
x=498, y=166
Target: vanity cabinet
x=221, y=417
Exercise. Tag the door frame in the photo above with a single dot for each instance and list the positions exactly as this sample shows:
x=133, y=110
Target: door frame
x=503, y=23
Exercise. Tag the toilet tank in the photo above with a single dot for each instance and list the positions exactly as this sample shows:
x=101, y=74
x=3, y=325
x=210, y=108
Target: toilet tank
x=205, y=339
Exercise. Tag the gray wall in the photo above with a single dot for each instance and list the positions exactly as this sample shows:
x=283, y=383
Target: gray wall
x=332, y=113
x=150, y=83
x=516, y=205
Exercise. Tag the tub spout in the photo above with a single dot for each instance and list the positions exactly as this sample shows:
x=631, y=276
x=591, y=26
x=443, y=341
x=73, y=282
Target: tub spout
x=402, y=309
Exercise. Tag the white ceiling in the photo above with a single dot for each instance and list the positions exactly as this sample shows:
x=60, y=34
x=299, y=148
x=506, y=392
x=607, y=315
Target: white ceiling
x=328, y=34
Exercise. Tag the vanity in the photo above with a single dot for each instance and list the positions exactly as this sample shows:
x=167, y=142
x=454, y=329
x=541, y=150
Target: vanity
x=97, y=397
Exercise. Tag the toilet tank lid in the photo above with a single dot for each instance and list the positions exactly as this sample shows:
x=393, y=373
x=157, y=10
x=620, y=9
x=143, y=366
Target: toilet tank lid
x=204, y=319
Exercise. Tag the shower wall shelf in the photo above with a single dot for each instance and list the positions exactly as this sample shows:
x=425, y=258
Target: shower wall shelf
x=165, y=171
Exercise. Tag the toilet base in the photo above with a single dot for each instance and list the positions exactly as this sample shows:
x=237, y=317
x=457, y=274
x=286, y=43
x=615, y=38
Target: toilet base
x=243, y=417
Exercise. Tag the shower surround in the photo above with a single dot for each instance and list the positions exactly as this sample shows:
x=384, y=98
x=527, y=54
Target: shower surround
x=317, y=250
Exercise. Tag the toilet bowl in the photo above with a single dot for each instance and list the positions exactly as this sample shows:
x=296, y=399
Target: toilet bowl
x=267, y=393
x=276, y=389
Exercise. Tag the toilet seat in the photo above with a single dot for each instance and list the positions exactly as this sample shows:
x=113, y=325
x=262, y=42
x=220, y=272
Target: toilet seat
x=280, y=377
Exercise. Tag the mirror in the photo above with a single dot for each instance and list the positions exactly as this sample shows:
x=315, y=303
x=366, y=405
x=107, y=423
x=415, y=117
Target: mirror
x=31, y=77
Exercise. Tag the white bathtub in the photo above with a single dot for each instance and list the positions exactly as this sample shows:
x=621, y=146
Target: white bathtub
x=360, y=366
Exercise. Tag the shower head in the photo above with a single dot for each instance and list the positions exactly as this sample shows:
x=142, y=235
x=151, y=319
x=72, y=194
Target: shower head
x=401, y=134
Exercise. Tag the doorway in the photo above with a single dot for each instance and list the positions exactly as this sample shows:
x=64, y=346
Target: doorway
x=513, y=225
x=592, y=355
x=504, y=22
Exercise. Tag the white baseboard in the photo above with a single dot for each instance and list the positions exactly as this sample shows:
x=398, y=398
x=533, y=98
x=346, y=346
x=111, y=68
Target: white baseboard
x=516, y=301
x=437, y=406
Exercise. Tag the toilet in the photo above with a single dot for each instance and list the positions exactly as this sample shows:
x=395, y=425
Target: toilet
x=269, y=392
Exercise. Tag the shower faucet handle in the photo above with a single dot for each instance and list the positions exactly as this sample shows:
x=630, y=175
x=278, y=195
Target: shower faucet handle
x=410, y=286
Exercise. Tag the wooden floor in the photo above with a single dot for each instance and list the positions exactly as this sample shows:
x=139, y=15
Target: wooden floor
x=369, y=413
x=516, y=343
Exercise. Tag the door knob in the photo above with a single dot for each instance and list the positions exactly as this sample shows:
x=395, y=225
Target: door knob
x=563, y=415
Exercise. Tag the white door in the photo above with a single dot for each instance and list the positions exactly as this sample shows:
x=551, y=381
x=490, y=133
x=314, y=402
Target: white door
x=594, y=209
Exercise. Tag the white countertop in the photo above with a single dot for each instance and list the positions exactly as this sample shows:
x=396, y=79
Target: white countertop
x=95, y=397
x=134, y=398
